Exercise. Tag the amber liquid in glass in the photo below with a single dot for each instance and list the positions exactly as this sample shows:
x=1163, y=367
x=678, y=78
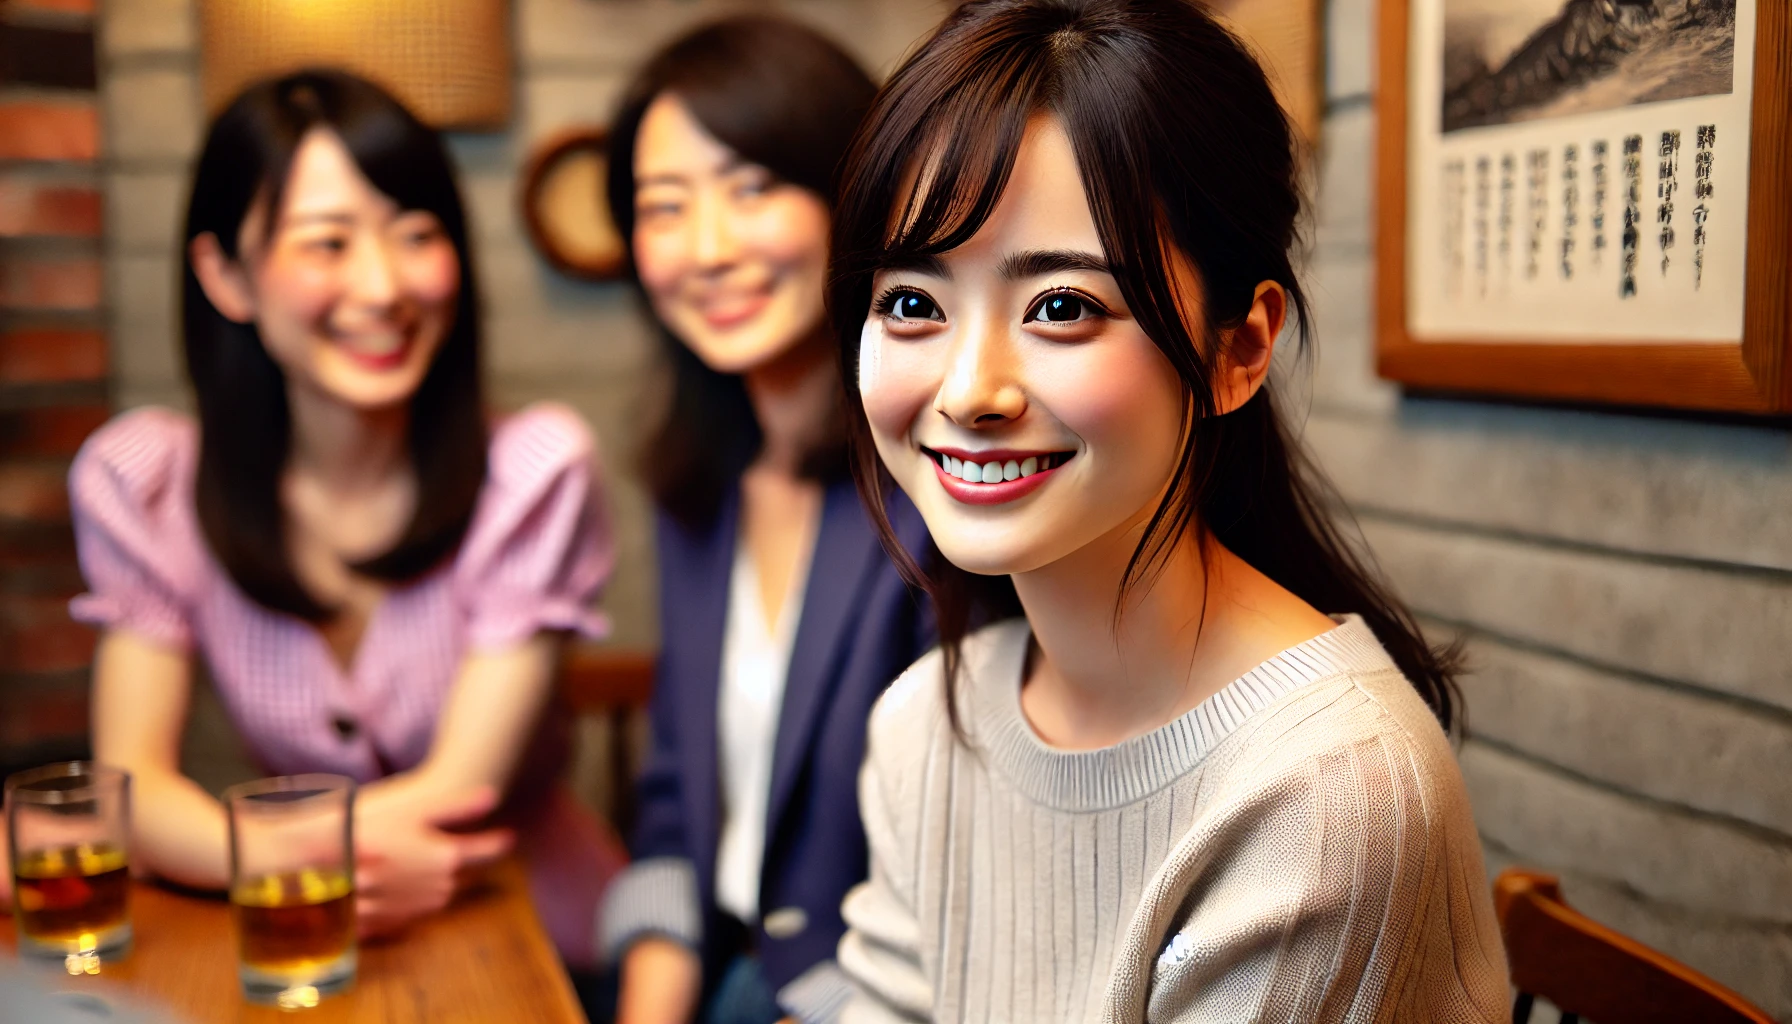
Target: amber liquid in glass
x=297, y=922
x=72, y=896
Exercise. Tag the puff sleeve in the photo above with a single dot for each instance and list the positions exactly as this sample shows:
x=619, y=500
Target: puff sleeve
x=130, y=495
x=540, y=547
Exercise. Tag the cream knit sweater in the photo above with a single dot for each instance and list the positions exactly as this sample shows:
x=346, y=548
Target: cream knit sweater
x=1297, y=848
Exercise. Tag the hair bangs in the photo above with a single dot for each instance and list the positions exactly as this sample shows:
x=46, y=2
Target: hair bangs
x=957, y=174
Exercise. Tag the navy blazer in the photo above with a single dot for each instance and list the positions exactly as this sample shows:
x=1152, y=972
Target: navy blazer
x=861, y=626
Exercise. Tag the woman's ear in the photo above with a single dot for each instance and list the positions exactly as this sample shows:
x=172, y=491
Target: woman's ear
x=224, y=280
x=1249, y=349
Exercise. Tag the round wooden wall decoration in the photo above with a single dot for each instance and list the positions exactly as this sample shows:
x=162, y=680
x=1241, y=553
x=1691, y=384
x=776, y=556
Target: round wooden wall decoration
x=564, y=208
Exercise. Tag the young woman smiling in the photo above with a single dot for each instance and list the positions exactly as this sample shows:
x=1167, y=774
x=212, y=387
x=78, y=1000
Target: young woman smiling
x=783, y=619
x=373, y=579
x=1205, y=776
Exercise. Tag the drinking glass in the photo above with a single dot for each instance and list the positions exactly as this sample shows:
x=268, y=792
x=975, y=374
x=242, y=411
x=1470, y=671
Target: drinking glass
x=68, y=832
x=292, y=886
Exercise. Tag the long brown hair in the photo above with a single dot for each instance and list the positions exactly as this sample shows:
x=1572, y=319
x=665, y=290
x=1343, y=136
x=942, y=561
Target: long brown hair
x=244, y=425
x=1181, y=146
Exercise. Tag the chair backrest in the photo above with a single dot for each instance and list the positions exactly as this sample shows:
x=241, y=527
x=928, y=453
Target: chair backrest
x=604, y=680
x=613, y=685
x=1590, y=971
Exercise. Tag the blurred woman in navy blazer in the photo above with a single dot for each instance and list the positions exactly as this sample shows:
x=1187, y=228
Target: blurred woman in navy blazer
x=782, y=619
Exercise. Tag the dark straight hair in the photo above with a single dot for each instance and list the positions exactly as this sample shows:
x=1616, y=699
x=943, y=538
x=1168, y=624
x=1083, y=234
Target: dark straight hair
x=245, y=427
x=1181, y=147
x=785, y=97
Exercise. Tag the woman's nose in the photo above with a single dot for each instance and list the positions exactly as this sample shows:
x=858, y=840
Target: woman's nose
x=373, y=276
x=713, y=242
x=981, y=388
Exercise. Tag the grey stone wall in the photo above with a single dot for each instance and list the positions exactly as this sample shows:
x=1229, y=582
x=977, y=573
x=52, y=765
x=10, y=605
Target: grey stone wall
x=1625, y=586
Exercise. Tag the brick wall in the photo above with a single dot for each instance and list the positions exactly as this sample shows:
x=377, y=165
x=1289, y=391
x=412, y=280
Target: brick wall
x=53, y=364
x=1625, y=584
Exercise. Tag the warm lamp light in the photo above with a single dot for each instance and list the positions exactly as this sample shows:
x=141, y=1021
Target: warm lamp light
x=448, y=60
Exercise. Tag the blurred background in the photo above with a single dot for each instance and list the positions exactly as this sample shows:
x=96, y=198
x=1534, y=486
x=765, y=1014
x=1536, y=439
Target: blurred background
x=1624, y=580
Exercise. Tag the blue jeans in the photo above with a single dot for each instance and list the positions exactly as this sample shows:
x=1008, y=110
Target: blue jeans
x=743, y=997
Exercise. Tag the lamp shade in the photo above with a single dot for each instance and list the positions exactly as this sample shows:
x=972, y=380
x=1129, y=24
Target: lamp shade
x=447, y=60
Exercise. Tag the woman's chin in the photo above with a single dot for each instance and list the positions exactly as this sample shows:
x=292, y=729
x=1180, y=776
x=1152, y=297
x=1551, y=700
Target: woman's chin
x=746, y=346
x=982, y=554
x=370, y=392
x=367, y=384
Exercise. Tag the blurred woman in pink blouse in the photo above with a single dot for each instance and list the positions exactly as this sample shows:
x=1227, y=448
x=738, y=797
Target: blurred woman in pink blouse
x=374, y=576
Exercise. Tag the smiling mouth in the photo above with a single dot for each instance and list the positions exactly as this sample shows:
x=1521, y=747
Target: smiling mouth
x=382, y=353
x=733, y=310
x=997, y=467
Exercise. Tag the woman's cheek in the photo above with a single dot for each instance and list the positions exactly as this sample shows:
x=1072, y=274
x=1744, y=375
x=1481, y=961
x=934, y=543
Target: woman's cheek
x=790, y=231
x=658, y=260
x=897, y=380
x=871, y=355
x=434, y=275
x=296, y=290
x=1126, y=402
x=1125, y=397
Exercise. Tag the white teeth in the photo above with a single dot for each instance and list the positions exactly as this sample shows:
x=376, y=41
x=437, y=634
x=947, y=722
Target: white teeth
x=378, y=344
x=996, y=472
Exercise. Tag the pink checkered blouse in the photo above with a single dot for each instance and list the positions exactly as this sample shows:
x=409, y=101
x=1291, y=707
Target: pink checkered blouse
x=535, y=556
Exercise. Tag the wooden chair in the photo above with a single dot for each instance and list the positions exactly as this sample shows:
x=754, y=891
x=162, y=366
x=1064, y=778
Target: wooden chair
x=611, y=684
x=1590, y=971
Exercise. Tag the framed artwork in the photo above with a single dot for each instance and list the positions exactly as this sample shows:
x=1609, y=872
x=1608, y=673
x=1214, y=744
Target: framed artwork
x=563, y=206
x=447, y=60
x=1587, y=200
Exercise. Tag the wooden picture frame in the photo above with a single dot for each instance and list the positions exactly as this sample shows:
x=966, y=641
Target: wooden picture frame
x=563, y=206
x=1748, y=375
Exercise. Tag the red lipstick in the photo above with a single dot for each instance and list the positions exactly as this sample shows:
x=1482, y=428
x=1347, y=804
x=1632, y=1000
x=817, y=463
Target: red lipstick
x=994, y=493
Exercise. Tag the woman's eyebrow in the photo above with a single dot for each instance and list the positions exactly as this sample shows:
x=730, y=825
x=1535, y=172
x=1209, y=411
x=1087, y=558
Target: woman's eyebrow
x=1040, y=262
x=915, y=263
x=660, y=178
x=302, y=217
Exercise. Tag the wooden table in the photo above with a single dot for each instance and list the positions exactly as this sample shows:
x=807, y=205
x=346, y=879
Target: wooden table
x=485, y=960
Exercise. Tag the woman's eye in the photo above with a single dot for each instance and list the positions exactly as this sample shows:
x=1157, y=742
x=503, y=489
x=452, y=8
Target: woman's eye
x=1062, y=308
x=913, y=306
x=420, y=230
x=658, y=208
x=754, y=182
x=333, y=246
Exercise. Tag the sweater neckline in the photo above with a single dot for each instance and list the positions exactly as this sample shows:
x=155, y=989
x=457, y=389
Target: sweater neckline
x=1093, y=780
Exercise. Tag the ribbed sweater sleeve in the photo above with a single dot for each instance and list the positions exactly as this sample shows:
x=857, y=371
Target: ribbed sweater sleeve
x=881, y=951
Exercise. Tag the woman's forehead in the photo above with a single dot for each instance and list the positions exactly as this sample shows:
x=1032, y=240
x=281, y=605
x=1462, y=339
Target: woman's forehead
x=325, y=178
x=673, y=143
